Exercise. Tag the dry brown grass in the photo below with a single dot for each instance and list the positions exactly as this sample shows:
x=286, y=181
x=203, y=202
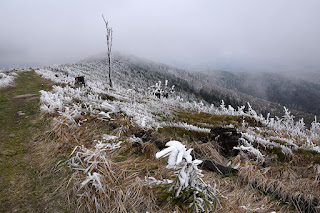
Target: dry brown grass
x=53, y=174
x=122, y=176
x=241, y=190
x=300, y=193
x=209, y=151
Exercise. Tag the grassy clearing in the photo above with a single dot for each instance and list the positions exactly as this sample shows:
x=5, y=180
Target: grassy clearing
x=27, y=175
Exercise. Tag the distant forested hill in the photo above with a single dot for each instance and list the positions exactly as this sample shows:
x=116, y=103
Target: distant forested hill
x=298, y=91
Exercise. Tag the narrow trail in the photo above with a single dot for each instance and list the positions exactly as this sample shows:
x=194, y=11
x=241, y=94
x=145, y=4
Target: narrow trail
x=22, y=187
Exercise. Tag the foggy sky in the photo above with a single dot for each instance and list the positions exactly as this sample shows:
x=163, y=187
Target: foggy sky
x=243, y=35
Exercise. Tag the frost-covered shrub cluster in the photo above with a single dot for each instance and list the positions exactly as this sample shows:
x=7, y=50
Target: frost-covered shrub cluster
x=187, y=186
x=72, y=104
x=248, y=147
x=285, y=126
x=161, y=91
x=6, y=79
x=146, y=112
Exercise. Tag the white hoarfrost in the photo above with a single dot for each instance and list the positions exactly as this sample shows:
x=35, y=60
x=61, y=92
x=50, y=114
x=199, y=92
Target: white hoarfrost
x=188, y=179
x=88, y=161
x=248, y=147
x=188, y=127
x=6, y=79
x=148, y=111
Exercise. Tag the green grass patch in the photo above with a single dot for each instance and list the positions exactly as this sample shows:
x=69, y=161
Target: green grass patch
x=278, y=151
x=179, y=133
x=205, y=119
x=308, y=155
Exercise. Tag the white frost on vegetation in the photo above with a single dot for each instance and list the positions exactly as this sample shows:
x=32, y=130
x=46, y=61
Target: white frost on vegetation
x=94, y=179
x=188, y=127
x=248, y=147
x=88, y=161
x=107, y=137
x=73, y=103
x=133, y=101
x=6, y=79
x=309, y=145
x=108, y=146
x=102, y=145
x=147, y=111
x=247, y=208
x=266, y=143
x=150, y=112
x=188, y=178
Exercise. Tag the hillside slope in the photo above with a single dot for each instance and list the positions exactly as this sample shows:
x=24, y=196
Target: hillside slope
x=113, y=135
x=138, y=74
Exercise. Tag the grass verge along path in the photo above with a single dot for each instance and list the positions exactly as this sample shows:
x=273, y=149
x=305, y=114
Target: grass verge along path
x=24, y=186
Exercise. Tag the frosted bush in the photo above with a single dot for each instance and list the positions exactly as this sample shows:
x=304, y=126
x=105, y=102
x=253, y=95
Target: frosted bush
x=188, y=186
x=315, y=128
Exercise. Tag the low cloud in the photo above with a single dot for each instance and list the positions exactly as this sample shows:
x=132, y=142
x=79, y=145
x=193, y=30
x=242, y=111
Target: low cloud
x=235, y=35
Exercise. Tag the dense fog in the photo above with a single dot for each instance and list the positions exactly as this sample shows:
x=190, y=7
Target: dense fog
x=197, y=35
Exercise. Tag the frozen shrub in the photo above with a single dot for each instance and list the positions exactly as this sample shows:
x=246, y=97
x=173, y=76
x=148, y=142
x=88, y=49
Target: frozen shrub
x=188, y=186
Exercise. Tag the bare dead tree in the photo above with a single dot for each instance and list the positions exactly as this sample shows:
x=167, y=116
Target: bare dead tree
x=109, y=46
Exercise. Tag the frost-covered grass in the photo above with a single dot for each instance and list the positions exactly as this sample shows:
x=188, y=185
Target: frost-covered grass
x=7, y=78
x=264, y=140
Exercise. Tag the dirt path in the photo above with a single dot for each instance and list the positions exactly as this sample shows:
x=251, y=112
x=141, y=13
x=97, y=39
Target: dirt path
x=23, y=185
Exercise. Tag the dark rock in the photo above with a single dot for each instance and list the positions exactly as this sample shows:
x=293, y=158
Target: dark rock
x=210, y=165
x=227, y=138
x=161, y=145
x=143, y=135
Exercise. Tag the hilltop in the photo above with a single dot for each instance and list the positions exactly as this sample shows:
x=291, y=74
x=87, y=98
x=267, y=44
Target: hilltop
x=110, y=137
